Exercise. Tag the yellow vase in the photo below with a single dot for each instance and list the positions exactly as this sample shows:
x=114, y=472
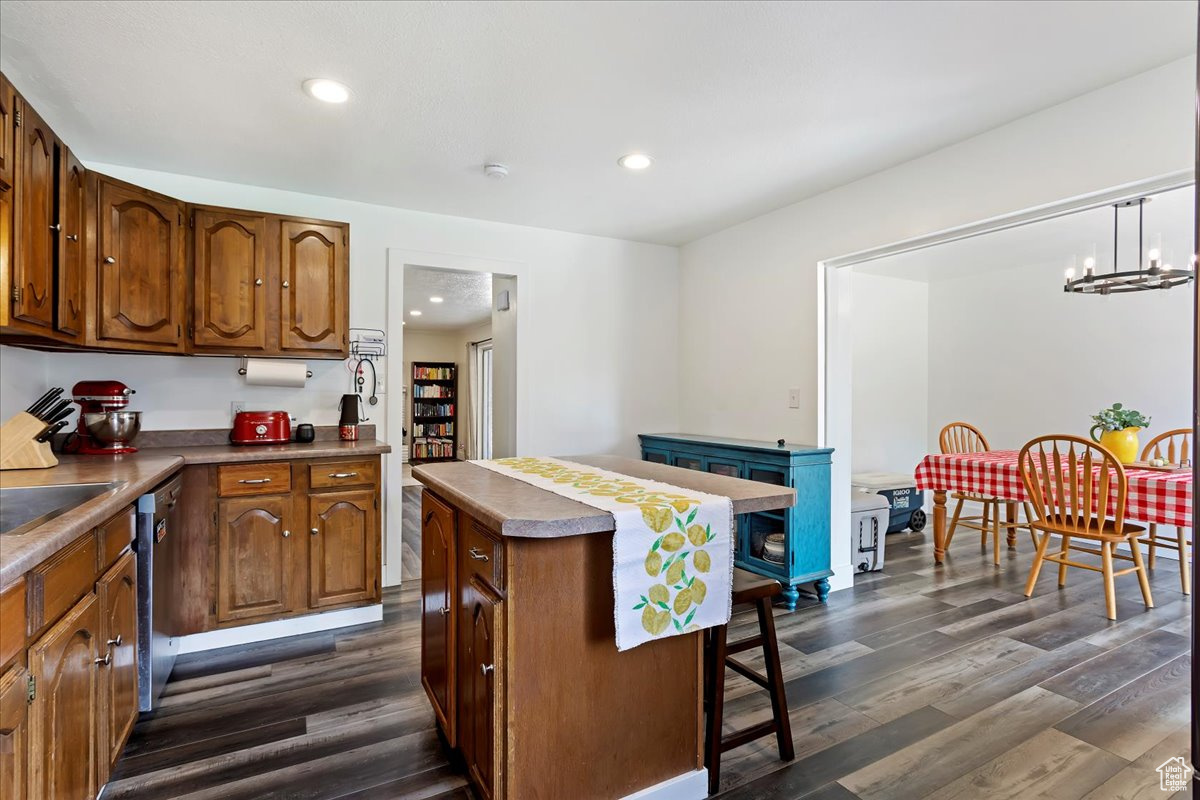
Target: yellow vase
x=1123, y=444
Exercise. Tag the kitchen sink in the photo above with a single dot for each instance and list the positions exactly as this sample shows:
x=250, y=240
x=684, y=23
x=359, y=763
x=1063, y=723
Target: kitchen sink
x=24, y=508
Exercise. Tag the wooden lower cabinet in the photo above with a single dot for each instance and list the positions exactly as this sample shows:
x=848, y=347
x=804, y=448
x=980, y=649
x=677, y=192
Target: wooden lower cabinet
x=254, y=557
x=343, y=553
x=483, y=674
x=117, y=591
x=65, y=715
x=14, y=734
x=437, y=611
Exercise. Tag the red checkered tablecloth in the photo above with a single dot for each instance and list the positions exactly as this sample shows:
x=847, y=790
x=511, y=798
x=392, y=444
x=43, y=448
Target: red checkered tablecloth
x=1161, y=497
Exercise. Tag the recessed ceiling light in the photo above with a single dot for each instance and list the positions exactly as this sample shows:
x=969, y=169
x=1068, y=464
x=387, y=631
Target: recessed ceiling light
x=414, y=313
x=435, y=299
x=635, y=161
x=326, y=90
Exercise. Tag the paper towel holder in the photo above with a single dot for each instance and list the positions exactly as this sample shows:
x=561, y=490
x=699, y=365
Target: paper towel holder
x=242, y=369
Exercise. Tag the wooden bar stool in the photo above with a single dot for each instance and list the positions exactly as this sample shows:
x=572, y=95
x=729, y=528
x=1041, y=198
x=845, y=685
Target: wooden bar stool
x=748, y=588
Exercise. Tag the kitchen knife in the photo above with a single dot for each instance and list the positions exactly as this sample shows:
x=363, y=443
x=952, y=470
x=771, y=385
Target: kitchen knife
x=56, y=418
x=44, y=404
x=47, y=396
x=48, y=434
x=55, y=412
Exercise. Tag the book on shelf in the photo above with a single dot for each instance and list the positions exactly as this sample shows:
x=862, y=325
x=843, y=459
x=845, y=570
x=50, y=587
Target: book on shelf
x=423, y=373
x=434, y=411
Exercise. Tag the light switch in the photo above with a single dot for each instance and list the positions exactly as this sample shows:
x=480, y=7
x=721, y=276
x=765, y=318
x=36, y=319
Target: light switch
x=793, y=398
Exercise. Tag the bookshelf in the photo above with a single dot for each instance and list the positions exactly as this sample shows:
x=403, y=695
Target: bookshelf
x=434, y=412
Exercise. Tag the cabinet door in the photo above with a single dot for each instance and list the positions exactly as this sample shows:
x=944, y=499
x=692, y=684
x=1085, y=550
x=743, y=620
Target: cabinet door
x=34, y=268
x=730, y=468
x=437, y=610
x=315, y=276
x=8, y=132
x=483, y=679
x=117, y=591
x=140, y=277
x=14, y=734
x=64, y=719
x=72, y=204
x=343, y=548
x=229, y=254
x=254, y=557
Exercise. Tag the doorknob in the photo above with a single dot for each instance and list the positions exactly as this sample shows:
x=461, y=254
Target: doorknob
x=104, y=662
x=115, y=642
x=486, y=668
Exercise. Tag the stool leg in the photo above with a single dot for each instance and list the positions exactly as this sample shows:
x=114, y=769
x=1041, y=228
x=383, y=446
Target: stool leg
x=716, y=706
x=783, y=724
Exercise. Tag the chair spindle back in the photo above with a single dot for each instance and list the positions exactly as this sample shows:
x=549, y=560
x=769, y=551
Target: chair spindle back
x=1072, y=482
x=1174, y=446
x=962, y=437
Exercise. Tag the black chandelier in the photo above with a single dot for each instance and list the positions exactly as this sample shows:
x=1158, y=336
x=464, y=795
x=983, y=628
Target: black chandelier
x=1156, y=275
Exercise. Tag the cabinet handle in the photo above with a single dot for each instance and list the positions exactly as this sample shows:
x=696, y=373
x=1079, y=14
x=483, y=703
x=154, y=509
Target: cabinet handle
x=56, y=227
x=72, y=237
x=445, y=610
x=477, y=554
x=258, y=281
x=428, y=517
x=109, y=260
x=486, y=668
x=286, y=284
x=255, y=480
x=115, y=642
x=343, y=474
x=286, y=534
x=314, y=531
x=104, y=662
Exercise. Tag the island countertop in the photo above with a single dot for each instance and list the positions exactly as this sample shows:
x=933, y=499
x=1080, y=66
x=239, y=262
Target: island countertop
x=516, y=508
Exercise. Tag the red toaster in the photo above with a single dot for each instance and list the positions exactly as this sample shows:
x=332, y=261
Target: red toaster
x=261, y=427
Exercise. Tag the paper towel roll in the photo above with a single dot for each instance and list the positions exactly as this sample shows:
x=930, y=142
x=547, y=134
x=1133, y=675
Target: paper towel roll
x=276, y=372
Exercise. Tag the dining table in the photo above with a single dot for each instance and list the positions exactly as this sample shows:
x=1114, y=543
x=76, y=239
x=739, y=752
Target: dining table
x=1154, y=495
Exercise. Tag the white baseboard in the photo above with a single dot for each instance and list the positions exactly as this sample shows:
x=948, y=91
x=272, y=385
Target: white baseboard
x=278, y=629
x=688, y=786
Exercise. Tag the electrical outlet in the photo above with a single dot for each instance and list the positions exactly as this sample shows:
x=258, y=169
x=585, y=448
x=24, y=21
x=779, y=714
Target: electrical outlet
x=793, y=398
x=236, y=406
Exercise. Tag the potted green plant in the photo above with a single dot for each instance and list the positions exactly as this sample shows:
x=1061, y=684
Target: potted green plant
x=1120, y=426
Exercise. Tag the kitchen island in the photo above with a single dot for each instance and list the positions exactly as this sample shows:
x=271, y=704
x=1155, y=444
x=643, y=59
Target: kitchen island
x=519, y=658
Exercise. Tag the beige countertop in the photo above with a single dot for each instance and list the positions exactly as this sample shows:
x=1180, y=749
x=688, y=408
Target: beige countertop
x=516, y=508
x=138, y=473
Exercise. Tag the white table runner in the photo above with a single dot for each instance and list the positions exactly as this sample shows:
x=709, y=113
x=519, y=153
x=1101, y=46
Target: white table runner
x=672, y=550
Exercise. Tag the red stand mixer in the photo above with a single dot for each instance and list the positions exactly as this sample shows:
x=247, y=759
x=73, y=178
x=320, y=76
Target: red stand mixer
x=105, y=427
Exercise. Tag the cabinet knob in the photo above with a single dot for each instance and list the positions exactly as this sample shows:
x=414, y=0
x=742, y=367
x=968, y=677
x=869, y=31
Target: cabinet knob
x=286, y=284
x=445, y=610
x=258, y=281
x=477, y=554
x=314, y=531
x=486, y=668
x=104, y=662
x=287, y=534
x=115, y=642
x=109, y=260
x=56, y=227
x=72, y=237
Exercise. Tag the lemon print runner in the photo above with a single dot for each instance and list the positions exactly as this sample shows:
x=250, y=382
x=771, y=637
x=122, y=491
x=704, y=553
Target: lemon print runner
x=672, y=550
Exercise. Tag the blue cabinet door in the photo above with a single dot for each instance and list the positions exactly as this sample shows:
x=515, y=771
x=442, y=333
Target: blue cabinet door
x=655, y=455
x=687, y=461
x=724, y=466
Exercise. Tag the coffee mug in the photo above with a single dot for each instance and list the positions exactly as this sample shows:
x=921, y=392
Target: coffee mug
x=305, y=433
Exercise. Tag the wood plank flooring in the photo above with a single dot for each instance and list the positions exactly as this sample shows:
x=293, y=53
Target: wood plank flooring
x=919, y=682
x=410, y=535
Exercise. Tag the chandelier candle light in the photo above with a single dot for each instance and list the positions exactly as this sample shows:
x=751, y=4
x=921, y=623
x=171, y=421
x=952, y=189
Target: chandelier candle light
x=1156, y=275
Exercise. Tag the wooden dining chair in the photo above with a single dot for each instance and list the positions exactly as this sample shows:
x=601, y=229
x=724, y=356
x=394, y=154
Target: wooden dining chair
x=1175, y=447
x=1078, y=490
x=963, y=437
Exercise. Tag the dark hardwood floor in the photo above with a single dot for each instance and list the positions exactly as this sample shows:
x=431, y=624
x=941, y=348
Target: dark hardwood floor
x=918, y=682
x=410, y=534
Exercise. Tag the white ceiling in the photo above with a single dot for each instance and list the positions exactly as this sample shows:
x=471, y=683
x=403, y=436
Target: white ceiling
x=745, y=106
x=466, y=298
x=1053, y=244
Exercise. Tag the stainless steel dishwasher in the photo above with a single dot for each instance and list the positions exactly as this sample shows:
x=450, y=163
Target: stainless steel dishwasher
x=157, y=546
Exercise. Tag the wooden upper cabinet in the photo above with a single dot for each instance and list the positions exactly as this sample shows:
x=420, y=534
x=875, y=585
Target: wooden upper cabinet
x=344, y=546
x=254, y=557
x=8, y=132
x=140, y=280
x=117, y=591
x=14, y=734
x=314, y=275
x=437, y=611
x=229, y=257
x=63, y=720
x=33, y=272
x=72, y=209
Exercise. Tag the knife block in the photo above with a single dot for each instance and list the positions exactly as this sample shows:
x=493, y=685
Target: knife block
x=18, y=450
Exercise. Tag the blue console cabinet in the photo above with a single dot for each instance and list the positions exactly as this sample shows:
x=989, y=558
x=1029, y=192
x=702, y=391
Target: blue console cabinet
x=805, y=526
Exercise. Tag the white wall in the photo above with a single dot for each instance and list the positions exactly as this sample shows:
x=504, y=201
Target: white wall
x=598, y=299
x=1048, y=360
x=890, y=326
x=748, y=294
